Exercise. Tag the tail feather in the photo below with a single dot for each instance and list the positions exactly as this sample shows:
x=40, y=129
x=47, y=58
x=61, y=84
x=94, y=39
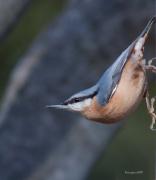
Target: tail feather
x=148, y=27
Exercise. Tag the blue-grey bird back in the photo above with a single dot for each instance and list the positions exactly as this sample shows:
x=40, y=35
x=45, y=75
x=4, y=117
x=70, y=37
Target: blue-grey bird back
x=111, y=77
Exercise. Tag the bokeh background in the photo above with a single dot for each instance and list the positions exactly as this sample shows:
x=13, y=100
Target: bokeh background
x=50, y=50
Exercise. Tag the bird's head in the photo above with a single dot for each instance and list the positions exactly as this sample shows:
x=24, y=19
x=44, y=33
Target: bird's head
x=79, y=101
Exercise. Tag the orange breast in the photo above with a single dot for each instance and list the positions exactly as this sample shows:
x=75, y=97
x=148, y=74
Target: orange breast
x=129, y=93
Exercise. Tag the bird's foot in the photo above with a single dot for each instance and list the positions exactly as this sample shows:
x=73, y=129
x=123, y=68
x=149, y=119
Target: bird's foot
x=150, y=106
x=151, y=67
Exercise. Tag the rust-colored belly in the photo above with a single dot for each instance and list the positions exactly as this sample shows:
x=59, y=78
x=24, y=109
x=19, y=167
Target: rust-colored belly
x=128, y=95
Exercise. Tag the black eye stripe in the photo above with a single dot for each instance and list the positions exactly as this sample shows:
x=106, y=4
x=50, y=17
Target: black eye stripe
x=78, y=99
x=74, y=100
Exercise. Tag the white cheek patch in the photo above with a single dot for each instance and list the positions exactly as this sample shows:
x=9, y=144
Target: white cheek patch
x=79, y=106
x=87, y=102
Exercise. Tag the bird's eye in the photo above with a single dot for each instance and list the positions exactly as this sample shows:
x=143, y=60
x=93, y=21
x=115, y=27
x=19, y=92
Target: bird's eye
x=76, y=100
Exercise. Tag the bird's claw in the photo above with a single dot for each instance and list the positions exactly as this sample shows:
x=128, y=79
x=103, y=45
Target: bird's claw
x=151, y=67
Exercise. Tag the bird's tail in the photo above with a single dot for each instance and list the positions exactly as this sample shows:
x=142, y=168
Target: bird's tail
x=140, y=41
x=148, y=27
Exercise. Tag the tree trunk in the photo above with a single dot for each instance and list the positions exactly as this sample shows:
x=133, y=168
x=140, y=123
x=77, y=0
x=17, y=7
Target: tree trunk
x=38, y=143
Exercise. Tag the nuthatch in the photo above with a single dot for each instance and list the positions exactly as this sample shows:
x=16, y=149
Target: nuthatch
x=120, y=89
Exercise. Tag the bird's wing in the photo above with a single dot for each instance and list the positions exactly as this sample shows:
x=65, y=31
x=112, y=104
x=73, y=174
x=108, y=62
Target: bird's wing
x=111, y=76
x=109, y=81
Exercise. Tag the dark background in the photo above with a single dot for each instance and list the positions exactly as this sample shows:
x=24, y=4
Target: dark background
x=50, y=50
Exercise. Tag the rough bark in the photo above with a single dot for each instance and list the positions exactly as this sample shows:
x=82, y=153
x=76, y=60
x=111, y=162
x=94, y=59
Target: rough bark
x=68, y=57
x=10, y=12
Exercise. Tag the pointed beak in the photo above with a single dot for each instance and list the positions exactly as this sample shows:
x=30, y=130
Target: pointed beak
x=57, y=106
x=145, y=32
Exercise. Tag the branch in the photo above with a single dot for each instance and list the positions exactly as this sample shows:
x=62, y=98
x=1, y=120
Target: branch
x=68, y=57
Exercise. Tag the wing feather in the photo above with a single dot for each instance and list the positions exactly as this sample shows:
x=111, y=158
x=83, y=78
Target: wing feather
x=111, y=77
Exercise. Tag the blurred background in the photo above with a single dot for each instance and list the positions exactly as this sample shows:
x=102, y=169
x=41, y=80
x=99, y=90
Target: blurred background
x=50, y=50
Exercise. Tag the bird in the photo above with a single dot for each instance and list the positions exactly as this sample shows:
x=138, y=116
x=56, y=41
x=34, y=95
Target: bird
x=120, y=89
